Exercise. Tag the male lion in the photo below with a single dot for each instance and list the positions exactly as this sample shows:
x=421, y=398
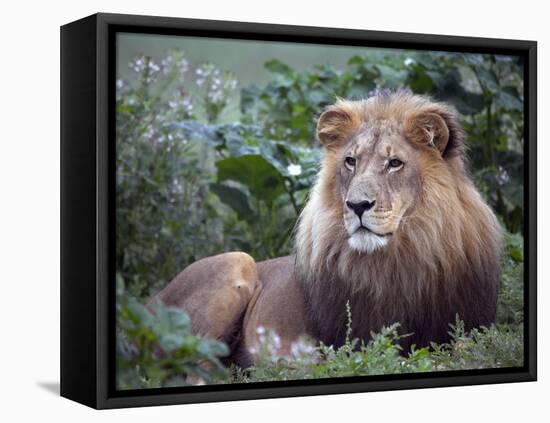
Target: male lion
x=394, y=225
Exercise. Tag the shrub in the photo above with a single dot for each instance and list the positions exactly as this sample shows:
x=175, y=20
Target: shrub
x=155, y=348
x=481, y=348
x=190, y=185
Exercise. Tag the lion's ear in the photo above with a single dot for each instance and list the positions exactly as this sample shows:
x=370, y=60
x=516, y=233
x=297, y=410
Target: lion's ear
x=438, y=127
x=335, y=124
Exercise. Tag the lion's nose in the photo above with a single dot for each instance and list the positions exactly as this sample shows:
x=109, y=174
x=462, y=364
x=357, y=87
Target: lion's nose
x=360, y=207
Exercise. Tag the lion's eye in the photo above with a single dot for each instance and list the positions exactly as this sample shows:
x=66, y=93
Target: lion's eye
x=395, y=163
x=350, y=162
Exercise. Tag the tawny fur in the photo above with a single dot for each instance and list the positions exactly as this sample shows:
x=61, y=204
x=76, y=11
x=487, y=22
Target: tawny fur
x=443, y=260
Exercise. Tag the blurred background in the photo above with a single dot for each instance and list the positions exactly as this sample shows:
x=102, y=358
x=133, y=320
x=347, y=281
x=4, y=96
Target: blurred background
x=216, y=152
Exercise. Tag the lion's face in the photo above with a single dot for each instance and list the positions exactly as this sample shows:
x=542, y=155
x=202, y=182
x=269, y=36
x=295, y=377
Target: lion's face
x=376, y=153
x=379, y=184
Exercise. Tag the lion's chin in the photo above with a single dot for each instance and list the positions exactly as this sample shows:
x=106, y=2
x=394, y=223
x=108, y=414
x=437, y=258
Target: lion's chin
x=367, y=242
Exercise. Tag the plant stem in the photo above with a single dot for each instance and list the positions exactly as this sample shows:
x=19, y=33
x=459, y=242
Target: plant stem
x=290, y=192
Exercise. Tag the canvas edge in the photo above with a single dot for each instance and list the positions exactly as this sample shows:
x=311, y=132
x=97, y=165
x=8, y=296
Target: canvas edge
x=103, y=372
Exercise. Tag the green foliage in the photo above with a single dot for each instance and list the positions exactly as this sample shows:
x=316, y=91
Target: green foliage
x=166, y=215
x=191, y=185
x=510, y=297
x=485, y=348
x=142, y=336
x=188, y=187
x=155, y=348
x=487, y=90
x=481, y=348
x=500, y=345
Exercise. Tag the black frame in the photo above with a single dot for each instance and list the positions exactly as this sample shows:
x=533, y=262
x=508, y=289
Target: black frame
x=88, y=220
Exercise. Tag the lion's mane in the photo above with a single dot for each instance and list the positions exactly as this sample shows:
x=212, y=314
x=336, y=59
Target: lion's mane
x=443, y=261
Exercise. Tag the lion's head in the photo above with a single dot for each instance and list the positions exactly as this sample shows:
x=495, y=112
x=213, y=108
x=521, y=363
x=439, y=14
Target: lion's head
x=395, y=216
x=379, y=150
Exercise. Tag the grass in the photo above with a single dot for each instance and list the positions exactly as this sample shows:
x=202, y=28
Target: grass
x=183, y=357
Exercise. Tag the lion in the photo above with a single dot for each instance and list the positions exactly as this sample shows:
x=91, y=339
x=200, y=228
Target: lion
x=393, y=226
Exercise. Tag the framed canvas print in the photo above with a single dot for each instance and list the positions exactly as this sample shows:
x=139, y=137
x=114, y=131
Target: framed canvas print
x=255, y=211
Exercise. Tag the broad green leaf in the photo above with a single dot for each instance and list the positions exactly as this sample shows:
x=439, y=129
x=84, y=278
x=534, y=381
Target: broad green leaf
x=356, y=60
x=170, y=341
x=234, y=198
x=473, y=59
x=211, y=347
x=318, y=97
x=169, y=320
x=509, y=99
x=249, y=98
x=393, y=78
x=488, y=80
x=418, y=80
x=254, y=171
x=276, y=66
